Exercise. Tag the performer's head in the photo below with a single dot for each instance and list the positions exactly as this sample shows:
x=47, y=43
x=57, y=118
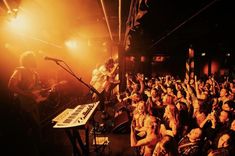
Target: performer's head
x=27, y=59
x=109, y=63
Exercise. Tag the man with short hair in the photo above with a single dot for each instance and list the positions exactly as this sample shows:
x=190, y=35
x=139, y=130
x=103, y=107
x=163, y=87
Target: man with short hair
x=190, y=144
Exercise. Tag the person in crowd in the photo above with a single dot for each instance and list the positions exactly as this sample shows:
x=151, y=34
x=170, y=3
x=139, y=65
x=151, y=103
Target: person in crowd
x=167, y=146
x=232, y=127
x=185, y=111
x=190, y=144
x=223, y=96
x=170, y=122
x=224, y=146
x=135, y=87
x=184, y=118
x=148, y=142
x=213, y=126
x=181, y=97
x=148, y=87
x=154, y=103
x=139, y=118
x=229, y=106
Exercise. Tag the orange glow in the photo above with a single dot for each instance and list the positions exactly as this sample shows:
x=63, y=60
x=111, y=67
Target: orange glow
x=214, y=68
x=159, y=59
x=71, y=44
x=19, y=23
x=60, y=30
x=143, y=59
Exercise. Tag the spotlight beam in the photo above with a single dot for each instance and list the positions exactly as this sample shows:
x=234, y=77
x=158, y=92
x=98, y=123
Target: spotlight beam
x=42, y=41
x=107, y=21
x=7, y=5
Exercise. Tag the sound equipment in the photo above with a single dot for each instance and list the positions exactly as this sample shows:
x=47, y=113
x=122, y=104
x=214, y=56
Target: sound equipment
x=122, y=123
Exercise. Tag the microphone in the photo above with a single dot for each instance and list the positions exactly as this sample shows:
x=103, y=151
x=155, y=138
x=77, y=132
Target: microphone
x=52, y=59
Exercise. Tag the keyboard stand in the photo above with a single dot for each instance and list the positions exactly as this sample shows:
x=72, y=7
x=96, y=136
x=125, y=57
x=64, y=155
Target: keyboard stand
x=73, y=120
x=74, y=137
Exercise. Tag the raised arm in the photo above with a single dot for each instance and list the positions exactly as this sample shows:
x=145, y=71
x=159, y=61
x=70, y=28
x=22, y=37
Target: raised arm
x=140, y=78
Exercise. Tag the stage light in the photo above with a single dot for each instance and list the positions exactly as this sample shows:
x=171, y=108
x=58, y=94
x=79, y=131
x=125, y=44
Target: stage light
x=18, y=23
x=159, y=58
x=71, y=44
x=203, y=54
x=228, y=54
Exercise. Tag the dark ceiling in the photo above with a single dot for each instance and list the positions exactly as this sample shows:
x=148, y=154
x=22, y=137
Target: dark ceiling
x=172, y=26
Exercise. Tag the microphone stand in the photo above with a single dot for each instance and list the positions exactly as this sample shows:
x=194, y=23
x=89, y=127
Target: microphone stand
x=78, y=78
x=69, y=70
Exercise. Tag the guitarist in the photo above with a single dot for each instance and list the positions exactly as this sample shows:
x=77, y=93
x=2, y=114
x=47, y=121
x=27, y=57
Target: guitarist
x=103, y=80
x=21, y=84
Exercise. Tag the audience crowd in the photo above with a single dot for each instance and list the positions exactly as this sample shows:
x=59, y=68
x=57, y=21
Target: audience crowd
x=180, y=117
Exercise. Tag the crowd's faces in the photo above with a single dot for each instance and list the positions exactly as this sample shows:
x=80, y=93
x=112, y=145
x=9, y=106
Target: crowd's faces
x=200, y=117
x=153, y=93
x=223, y=141
x=150, y=122
x=210, y=81
x=231, y=96
x=167, y=112
x=195, y=134
x=135, y=97
x=150, y=83
x=201, y=85
x=223, y=117
x=233, y=125
x=169, y=91
x=179, y=86
x=226, y=107
x=179, y=95
x=191, y=82
x=134, y=86
x=232, y=86
x=223, y=92
x=207, y=87
x=141, y=107
x=156, y=83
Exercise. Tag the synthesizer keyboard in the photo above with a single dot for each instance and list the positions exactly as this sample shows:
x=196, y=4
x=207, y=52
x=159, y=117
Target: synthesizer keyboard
x=75, y=117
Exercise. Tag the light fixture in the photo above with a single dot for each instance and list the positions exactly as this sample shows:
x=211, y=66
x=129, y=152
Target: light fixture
x=203, y=54
x=228, y=54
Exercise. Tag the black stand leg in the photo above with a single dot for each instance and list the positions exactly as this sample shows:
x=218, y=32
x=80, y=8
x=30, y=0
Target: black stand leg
x=87, y=140
x=74, y=137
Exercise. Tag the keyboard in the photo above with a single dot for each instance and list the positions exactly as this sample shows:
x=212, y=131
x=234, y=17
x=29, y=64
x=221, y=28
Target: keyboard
x=75, y=117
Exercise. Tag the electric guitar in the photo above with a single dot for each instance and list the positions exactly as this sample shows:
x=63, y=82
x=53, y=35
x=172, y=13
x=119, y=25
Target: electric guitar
x=41, y=95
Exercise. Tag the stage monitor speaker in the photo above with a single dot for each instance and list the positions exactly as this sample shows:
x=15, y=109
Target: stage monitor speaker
x=121, y=123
